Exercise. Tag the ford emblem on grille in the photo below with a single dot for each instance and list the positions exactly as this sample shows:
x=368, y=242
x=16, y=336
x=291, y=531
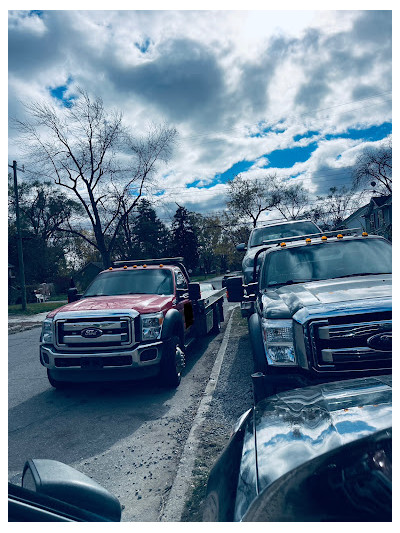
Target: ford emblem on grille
x=91, y=333
x=382, y=342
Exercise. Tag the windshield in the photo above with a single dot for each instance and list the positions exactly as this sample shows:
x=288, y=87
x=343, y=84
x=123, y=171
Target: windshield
x=326, y=261
x=141, y=281
x=282, y=230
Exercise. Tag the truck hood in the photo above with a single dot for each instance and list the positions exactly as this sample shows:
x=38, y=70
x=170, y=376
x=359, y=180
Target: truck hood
x=343, y=295
x=141, y=303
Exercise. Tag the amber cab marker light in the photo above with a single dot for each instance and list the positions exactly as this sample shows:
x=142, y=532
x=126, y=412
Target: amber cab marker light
x=308, y=240
x=109, y=268
x=144, y=266
x=339, y=236
x=283, y=244
x=324, y=238
x=125, y=266
x=364, y=234
x=161, y=266
x=134, y=266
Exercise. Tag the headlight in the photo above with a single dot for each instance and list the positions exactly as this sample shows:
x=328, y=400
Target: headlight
x=151, y=326
x=278, y=342
x=47, y=331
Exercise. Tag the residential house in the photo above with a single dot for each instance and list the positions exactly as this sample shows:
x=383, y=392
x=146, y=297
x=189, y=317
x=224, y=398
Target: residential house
x=374, y=218
x=379, y=216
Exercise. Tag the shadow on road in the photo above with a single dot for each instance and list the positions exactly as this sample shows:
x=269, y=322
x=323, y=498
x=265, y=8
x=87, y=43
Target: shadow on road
x=86, y=420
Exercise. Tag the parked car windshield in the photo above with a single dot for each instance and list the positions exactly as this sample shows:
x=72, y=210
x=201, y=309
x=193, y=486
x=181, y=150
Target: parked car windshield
x=139, y=281
x=282, y=230
x=327, y=260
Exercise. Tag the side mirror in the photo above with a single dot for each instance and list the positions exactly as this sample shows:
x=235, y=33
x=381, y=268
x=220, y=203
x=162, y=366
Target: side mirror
x=241, y=247
x=194, y=291
x=251, y=291
x=73, y=295
x=234, y=289
x=180, y=293
x=66, y=484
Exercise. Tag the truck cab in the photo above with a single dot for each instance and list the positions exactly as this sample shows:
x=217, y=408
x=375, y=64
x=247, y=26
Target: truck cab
x=259, y=236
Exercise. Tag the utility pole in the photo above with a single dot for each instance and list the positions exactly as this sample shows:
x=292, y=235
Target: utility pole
x=20, y=253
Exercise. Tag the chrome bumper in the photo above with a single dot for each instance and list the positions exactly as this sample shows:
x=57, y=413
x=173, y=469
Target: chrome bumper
x=121, y=364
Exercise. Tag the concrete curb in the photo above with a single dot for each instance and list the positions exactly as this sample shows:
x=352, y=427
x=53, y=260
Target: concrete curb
x=177, y=497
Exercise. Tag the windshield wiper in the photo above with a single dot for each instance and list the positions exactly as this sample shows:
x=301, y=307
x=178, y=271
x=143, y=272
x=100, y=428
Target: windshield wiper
x=291, y=282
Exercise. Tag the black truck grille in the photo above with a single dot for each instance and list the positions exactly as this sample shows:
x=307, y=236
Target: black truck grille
x=94, y=334
x=359, y=342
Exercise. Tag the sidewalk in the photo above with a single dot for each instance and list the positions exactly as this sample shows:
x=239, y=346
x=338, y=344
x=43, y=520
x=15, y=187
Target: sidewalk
x=22, y=323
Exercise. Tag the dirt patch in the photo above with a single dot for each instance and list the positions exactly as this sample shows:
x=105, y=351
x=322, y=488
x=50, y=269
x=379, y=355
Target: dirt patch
x=17, y=328
x=213, y=442
x=232, y=397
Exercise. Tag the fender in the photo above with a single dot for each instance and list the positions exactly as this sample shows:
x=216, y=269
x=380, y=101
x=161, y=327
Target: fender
x=172, y=324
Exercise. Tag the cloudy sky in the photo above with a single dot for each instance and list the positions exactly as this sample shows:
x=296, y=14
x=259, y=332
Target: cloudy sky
x=297, y=93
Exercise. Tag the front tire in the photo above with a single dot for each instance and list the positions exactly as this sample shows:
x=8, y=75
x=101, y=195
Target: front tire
x=257, y=345
x=55, y=382
x=172, y=363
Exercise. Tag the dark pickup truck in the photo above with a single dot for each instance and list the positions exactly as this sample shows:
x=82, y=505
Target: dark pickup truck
x=262, y=234
x=322, y=309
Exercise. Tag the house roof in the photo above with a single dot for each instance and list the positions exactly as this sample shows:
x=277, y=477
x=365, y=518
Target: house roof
x=97, y=264
x=382, y=200
x=358, y=213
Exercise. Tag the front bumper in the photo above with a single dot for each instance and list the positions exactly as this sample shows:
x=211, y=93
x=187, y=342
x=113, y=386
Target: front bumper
x=138, y=362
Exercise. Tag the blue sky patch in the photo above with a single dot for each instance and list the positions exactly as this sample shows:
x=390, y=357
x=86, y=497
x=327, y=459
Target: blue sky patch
x=144, y=45
x=196, y=184
x=290, y=156
x=36, y=12
x=374, y=133
x=59, y=94
x=305, y=135
x=237, y=168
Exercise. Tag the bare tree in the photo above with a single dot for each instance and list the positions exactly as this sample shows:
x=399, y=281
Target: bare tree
x=293, y=199
x=248, y=198
x=375, y=165
x=89, y=152
x=329, y=211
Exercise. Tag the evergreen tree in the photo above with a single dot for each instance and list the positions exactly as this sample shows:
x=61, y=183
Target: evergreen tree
x=184, y=240
x=149, y=233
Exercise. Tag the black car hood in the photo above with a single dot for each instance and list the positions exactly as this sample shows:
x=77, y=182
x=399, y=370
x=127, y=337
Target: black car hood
x=298, y=425
x=340, y=294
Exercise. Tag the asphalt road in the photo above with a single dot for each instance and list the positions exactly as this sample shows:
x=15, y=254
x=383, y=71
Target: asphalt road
x=128, y=437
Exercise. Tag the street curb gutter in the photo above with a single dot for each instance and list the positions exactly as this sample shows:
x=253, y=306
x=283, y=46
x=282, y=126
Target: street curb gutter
x=176, y=501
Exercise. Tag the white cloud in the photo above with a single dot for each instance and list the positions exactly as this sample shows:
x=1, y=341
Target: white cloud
x=217, y=76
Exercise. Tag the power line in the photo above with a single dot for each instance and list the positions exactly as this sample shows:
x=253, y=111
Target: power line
x=285, y=119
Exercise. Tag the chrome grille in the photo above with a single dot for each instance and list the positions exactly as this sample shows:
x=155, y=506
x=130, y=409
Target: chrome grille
x=344, y=346
x=74, y=334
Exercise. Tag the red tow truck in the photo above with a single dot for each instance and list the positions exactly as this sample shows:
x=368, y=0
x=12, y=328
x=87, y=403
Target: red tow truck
x=135, y=320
